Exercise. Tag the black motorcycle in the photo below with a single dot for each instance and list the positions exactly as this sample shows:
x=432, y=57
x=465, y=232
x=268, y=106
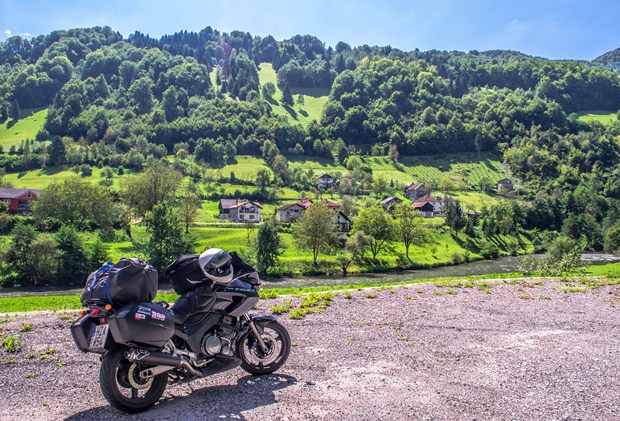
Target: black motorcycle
x=147, y=345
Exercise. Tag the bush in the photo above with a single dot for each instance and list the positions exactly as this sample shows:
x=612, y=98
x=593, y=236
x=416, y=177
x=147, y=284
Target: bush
x=457, y=258
x=490, y=251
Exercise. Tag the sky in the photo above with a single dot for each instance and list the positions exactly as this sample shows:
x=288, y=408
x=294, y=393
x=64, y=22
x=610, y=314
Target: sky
x=555, y=29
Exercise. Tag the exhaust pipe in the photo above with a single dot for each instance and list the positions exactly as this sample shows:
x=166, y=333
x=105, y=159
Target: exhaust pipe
x=161, y=358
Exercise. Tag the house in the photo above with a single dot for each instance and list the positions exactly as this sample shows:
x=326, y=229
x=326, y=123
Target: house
x=292, y=211
x=505, y=185
x=390, y=202
x=430, y=207
x=19, y=201
x=414, y=191
x=239, y=210
x=342, y=222
x=326, y=181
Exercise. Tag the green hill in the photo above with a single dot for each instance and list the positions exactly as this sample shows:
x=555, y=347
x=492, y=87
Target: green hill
x=27, y=127
x=314, y=98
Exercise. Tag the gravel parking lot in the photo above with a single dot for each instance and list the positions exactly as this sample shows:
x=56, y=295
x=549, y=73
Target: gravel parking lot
x=498, y=350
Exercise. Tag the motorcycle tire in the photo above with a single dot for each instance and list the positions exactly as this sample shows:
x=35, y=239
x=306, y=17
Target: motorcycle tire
x=254, y=360
x=117, y=386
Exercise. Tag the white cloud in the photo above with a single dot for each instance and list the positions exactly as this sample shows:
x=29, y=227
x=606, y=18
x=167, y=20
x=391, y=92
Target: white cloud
x=7, y=32
x=25, y=34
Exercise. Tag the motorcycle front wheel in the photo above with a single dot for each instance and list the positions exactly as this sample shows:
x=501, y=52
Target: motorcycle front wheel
x=254, y=359
x=122, y=386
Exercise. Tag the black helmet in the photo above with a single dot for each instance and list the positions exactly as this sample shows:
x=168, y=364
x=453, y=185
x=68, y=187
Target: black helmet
x=216, y=265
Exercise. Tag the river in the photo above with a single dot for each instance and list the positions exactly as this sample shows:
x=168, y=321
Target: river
x=505, y=264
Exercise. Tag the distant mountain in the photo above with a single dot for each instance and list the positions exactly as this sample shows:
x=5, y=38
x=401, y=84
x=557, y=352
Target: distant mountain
x=610, y=60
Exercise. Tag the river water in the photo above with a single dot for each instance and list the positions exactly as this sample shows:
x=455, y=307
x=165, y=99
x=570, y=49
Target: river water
x=504, y=264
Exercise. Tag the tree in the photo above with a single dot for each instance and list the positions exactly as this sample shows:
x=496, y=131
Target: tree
x=378, y=225
x=455, y=218
x=263, y=178
x=167, y=240
x=15, y=113
x=287, y=96
x=300, y=100
x=56, y=151
x=314, y=231
x=73, y=265
x=189, y=203
x=76, y=202
x=98, y=254
x=141, y=95
x=408, y=226
x=268, y=90
x=393, y=153
x=268, y=247
x=157, y=184
x=19, y=255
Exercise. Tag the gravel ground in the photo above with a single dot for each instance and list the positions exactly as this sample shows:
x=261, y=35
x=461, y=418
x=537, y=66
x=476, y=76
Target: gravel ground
x=526, y=350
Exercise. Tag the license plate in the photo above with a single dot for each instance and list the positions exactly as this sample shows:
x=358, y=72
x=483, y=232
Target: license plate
x=99, y=337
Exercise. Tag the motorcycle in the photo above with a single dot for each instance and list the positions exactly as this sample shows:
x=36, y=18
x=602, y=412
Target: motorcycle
x=145, y=346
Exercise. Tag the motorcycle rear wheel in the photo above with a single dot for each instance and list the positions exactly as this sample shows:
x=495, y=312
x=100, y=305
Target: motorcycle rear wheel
x=254, y=360
x=121, y=384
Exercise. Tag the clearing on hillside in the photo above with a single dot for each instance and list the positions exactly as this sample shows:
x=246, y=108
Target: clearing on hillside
x=26, y=128
x=601, y=116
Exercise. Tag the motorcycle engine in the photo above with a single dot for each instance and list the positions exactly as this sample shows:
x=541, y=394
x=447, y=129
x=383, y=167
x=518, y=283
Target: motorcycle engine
x=217, y=342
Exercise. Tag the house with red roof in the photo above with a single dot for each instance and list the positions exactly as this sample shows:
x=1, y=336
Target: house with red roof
x=415, y=191
x=239, y=210
x=430, y=207
x=292, y=211
x=19, y=201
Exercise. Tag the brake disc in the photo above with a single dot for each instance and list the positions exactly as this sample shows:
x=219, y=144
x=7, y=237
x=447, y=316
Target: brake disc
x=134, y=378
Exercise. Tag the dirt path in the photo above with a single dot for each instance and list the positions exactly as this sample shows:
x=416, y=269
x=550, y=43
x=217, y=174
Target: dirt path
x=521, y=351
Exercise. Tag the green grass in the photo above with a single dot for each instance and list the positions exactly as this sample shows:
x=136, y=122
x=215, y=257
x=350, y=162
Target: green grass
x=40, y=179
x=600, y=116
x=27, y=128
x=314, y=98
x=611, y=269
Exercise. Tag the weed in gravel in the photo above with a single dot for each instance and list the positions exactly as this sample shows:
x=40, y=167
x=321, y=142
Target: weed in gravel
x=538, y=283
x=266, y=294
x=484, y=286
x=299, y=313
x=45, y=403
x=544, y=297
x=11, y=361
x=409, y=297
x=31, y=375
x=281, y=309
x=525, y=297
x=317, y=300
x=43, y=357
x=4, y=321
x=27, y=327
x=357, y=323
x=448, y=291
x=31, y=356
x=347, y=295
x=420, y=291
x=61, y=363
x=574, y=289
x=12, y=344
x=294, y=344
x=371, y=295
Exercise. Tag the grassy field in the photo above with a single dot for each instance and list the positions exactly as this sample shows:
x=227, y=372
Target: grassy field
x=27, y=128
x=314, y=98
x=601, y=116
x=39, y=179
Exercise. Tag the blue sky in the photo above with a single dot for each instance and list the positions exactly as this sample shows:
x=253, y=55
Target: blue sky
x=556, y=29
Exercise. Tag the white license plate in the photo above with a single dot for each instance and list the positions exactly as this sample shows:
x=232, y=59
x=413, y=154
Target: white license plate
x=99, y=337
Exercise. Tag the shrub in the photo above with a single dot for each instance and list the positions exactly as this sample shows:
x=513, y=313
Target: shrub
x=457, y=258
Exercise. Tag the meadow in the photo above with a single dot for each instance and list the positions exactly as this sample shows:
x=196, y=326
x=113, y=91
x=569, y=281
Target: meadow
x=27, y=128
x=600, y=116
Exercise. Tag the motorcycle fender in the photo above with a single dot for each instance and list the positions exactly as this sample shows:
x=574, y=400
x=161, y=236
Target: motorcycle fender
x=262, y=320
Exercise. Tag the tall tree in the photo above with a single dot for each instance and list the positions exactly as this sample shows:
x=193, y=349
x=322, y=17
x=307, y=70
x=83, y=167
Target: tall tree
x=287, y=95
x=15, y=113
x=314, y=231
x=375, y=223
x=167, y=240
x=157, y=184
x=73, y=265
x=189, y=203
x=268, y=246
x=408, y=227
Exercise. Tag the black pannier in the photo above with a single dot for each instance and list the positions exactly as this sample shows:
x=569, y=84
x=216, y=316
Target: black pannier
x=185, y=273
x=130, y=280
x=143, y=323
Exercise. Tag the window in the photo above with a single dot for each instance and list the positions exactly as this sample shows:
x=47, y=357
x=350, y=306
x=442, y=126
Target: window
x=7, y=201
x=29, y=195
x=251, y=216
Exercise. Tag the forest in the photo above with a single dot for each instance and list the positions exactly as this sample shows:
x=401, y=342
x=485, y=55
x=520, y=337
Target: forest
x=195, y=100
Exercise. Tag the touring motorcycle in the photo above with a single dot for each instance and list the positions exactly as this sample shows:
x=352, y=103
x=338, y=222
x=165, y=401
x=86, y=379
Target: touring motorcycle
x=147, y=345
